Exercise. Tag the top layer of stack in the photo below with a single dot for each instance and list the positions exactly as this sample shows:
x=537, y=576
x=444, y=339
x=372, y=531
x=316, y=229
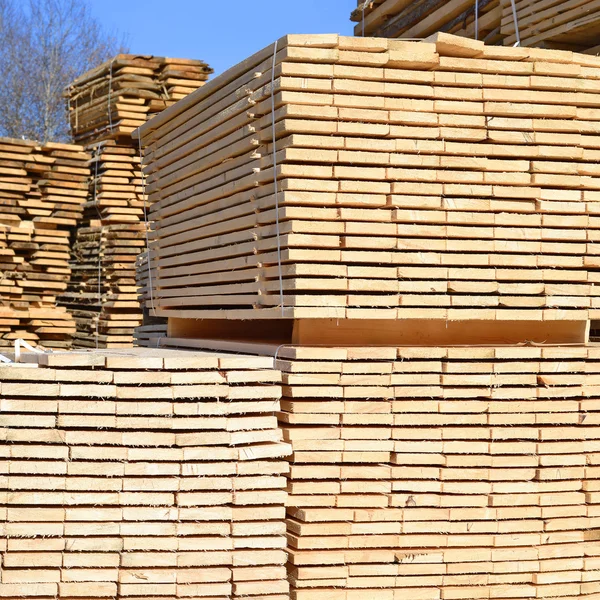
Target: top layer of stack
x=441, y=180
x=416, y=19
x=42, y=192
x=572, y=25
x=119, y=95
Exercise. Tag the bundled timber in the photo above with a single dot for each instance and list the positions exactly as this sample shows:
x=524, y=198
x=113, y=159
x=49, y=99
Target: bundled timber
x=568, y=25
x=421, y=18
x=571, y=24
x=42, y=193
x=112, y=100
x=105, y=106
x=414, y=180
x=102, y=294
x=142, y=473
x=449, y=472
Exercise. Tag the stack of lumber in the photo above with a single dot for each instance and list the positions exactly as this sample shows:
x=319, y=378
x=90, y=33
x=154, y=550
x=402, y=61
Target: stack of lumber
x=106, y=105
x=102, y=294
x=42, y=193
x=109, y=102
x=574, y=24
x=421, y=18
x=142, y=473
x=427, y=180
x=442, y=472
x=568, y=25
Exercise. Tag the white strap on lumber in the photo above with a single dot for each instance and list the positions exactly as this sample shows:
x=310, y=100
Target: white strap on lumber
x=364, y=7
x=5, y=359
x=110, y=76
x=145, y=199
x=97, y=152
x=275, y=178
x=22, y=343
x=514, y=13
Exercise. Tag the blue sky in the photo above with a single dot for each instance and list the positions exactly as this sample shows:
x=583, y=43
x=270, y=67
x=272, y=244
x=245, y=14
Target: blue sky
x=221, y=32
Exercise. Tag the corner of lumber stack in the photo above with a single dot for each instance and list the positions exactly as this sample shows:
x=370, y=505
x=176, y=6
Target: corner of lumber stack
x=444, y=179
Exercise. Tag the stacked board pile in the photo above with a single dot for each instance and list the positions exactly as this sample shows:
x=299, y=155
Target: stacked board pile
x=574, y=24
x=424, y=180
x=142, y=474
x=428, y=473
x=106, y=105
x=102, y=295
x=419, y=18
x=568, y=25
x=42, y=192
x=111, y=101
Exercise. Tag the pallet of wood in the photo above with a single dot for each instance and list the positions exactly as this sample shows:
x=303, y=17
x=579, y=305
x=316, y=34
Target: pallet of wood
x=567, y=25
x=42, y=192
x=441, y=180
x=109, y=102
x=102, y=293
x=442, y=472
x=142, y=473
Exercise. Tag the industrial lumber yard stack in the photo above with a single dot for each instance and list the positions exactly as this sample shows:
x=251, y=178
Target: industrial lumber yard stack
x=142, y=473
x=415, y=180
x=568, y=25
x=102, y=295
x=42, y=193
x=418, y=19
x=458, y=472
x=114, y=99
x=105, y=106
x=410, y=228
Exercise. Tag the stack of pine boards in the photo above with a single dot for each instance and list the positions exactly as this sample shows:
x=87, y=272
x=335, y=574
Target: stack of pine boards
x=421, y=18
x=568, y=25
x=553, y=23
x=106, y=105
x=42, y=192
x=149, y=474
x=442, y=472
x=102, y=293
x=443, y=179
x=115, y=98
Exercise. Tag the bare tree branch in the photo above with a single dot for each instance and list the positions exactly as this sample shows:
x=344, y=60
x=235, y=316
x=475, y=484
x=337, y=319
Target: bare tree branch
x=43, y=47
